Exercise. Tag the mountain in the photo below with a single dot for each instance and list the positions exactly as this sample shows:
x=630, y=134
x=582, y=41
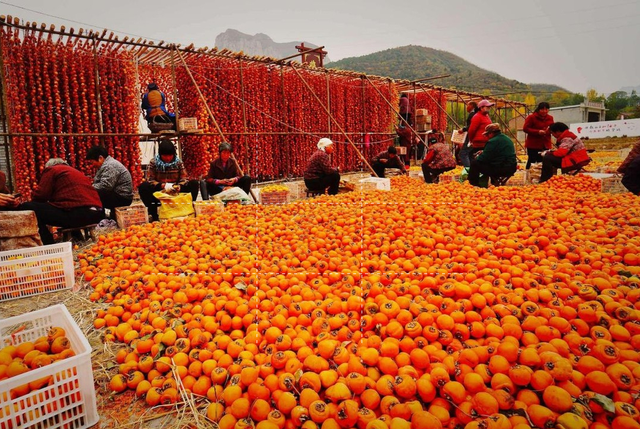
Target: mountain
x=628, y=89
x=260, y=44
x=419, y=62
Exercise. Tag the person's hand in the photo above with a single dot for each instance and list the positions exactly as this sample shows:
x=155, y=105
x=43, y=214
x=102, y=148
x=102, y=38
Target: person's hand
x=543, y=153
x=384, y=161
x=7, y=200
x=210, y=180
x=168, y=187
x=542, y=132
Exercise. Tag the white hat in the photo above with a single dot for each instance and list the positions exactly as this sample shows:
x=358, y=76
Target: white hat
x=324, y=142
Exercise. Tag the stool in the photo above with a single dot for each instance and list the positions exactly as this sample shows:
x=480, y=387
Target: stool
x=500, y=181
x=86, y=232
x=315, y=193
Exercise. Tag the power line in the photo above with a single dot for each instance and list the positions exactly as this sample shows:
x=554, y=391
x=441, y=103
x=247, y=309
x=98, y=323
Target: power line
x=75, y=22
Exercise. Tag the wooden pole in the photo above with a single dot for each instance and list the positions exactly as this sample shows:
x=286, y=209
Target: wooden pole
x=244, y=109
x=440, y=107
x=175, y=90
x=397, y=112
x=334, y=120
x=8, y=147
x=98, y=99
x=215, y=123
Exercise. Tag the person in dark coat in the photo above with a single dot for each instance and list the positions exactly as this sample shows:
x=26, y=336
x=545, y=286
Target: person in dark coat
x=405, y=109
x=387, y=159
x=538, y=135
x=406, y=139
x=631, y=176
x=465, y=150
x=497, y=159
x=224, y=172
x=320, y=175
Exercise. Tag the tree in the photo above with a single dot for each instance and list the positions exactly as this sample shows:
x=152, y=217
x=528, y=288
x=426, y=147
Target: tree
x=616, y=102
x=592, y=95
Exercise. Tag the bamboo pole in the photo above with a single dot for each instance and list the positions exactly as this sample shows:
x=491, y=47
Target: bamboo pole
x=439, y=106
x=334, y=120
x=215, y=123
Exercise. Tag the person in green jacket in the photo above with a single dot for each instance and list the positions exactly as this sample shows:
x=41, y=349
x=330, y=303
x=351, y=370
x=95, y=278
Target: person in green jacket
x=498, y=159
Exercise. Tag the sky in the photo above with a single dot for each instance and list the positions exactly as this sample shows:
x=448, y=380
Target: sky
x=576, y=44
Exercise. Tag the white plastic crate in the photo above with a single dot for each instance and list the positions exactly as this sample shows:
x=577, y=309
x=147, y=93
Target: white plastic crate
x=69, y=399
x=612, y=185
x=296, y=190
x=208, y=207
x=36, y=270
x=381, y=183
x=134, y=214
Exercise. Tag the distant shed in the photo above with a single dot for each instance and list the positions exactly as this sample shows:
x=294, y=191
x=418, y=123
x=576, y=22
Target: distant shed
x=589, y=111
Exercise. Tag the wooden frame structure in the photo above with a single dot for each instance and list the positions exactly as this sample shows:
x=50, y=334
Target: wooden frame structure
x=150, y=53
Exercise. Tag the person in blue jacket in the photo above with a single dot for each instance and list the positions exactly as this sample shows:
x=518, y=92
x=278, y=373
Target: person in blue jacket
x=153, y=103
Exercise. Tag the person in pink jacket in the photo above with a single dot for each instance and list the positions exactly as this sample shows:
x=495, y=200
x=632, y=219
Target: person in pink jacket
x=478, y=124
x=538, y=136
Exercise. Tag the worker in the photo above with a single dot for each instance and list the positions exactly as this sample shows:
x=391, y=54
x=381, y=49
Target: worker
x=631, y=176
x=438, y=160
x=320, y=175
x=153, y=103
x=406, y=141
x=387, y=159
x=405, y=109
x=225, y=172
x=465, y=150
x=571, y=154
x=478, y=124
x=633, y=154
x=538, y=139
x=166, y=172
x=7, y=201
x=64, y=197
x=112, y=180
x=497, y=159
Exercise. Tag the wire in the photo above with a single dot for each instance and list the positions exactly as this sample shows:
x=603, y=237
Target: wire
x=75, y=22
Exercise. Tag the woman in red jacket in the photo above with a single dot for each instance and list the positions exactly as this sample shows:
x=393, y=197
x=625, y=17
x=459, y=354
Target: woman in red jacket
x=571, y=154
x=538, y=137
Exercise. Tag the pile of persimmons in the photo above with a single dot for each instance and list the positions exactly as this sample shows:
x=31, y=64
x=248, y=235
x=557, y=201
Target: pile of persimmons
x=428, y=306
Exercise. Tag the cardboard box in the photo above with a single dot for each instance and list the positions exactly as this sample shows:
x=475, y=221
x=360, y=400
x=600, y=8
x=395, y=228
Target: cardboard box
x=422, y=112
x=188, y=124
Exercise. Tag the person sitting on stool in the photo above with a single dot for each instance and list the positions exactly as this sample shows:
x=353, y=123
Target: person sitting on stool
x=166, y=171
x=498, y=159
x=571, y=154
x=319, y=174
x=225, y=172
x=112, y=180
x=438, y=160
x=64, y=197
x=387, y=159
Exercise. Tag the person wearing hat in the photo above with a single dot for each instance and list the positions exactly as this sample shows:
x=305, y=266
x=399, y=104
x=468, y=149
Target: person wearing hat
x=153, y=103
x=571, y=154
x=478, y=124
x=497, y=159
x=225, y=172
x=320, y=175
x=65, y=198
x=387, y=159
x=538, y=136
x=438, y=159
x=165, y=172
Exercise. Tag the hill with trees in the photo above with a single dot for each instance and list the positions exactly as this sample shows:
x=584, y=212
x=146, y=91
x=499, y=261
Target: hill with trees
x=419, y=62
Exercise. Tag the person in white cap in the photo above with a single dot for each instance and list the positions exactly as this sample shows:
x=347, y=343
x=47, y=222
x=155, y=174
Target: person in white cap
x=479, y=122
x=320, y=175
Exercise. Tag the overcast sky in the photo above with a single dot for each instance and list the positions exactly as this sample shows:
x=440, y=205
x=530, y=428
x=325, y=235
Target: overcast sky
x=577, y=44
